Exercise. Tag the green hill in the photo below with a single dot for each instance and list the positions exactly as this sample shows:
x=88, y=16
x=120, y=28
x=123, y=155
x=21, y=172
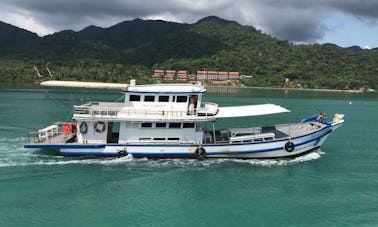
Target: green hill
x=132, y=49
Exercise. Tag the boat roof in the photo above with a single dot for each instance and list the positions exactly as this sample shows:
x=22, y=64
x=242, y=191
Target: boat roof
x=166, y=88
x=78, y=84
x=249, y=110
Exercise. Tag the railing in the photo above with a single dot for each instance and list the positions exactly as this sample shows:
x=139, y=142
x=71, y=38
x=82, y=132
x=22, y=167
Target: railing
x=52, y=132
x=96, y=110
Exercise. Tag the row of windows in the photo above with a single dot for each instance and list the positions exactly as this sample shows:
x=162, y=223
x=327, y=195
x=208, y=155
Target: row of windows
x=159, y=98
x=161, y=139
x=169, y=125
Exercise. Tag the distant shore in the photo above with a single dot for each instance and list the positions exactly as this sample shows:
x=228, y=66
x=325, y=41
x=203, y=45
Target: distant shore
x=222, y=87
x=288, y=89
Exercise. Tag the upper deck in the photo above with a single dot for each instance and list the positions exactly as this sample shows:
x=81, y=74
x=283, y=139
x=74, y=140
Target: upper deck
x=167, y=102
x=120, y=112
x=166, y=88
x=153, y=102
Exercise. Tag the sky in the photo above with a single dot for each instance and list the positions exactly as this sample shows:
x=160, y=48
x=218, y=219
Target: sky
x=343, y=22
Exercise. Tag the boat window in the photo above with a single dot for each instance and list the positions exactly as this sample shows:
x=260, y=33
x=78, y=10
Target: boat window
x=173, y=98
x=163, y=98
x=161, y=125
x=188, y=125
x=159, y=138
x=144, y=138
x=149, y=98
x=146, y=125
x=134, y=98
x=131, y=125
x=182, y=98
x=174, y=125
x=173, y=138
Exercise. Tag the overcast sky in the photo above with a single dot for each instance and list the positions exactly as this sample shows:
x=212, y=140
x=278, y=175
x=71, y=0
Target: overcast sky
x=344, y=22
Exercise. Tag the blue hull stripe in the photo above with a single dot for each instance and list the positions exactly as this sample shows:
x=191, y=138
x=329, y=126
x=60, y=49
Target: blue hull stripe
x=230, y=153
x=180, y=154
x=68, y=146
x=98, y=146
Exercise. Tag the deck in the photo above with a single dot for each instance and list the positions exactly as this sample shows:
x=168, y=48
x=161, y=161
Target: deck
x=60, y=138
x=259, y=134
x=118, y=111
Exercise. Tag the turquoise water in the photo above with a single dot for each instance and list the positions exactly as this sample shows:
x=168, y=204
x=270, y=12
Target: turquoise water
x=335, y=186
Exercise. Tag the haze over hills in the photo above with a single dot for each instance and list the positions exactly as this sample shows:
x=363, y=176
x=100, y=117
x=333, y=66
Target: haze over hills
x=134, y=48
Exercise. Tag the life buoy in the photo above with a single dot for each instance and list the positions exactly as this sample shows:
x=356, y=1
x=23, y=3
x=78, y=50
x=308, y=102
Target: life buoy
x=289, y=146
x=200, y=153
x=83, y=127
x=99, y=126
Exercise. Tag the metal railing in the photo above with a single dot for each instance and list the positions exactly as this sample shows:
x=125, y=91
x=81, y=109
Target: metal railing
x=96, y=110
x=49, y=134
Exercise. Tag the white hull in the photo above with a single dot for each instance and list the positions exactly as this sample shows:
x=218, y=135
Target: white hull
x=272, y=149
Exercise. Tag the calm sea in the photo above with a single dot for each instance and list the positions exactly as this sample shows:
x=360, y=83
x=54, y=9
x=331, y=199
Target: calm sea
x=335, y=186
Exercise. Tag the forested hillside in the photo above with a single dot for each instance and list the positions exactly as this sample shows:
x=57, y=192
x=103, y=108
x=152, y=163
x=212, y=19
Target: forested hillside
x=132, y=49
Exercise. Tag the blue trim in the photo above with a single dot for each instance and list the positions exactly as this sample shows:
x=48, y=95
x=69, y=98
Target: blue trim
x=101, y=154
x=140, y=155
x=220, y=144
x=230, y=153
x=70, y=146
x=180, y=154
x=99, y=146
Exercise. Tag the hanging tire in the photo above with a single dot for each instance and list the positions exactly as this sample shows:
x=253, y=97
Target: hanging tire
x=289, y=146
x=121, y=153
x=83, y=128
x=200, y=153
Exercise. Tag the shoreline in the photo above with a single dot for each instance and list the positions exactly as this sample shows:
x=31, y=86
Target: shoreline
x=291, y=89
x=231, y=87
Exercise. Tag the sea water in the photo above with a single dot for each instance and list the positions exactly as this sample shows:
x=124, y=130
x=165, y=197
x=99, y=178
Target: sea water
x=334, y=186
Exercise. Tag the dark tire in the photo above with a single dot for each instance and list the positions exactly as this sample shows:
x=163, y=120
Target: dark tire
x=83, y=128
x=121, y=154
x=289, y=146
x=200, y=154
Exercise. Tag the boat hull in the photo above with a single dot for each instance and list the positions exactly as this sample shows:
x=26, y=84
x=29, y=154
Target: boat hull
x=264, y=150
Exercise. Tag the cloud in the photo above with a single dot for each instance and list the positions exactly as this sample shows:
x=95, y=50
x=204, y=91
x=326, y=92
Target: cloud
x=294, y=20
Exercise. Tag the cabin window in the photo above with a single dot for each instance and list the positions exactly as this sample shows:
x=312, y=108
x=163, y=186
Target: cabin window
x=149, y=98
x=131, y=125
x=174, y=125
x=134, y=98
x=161, y=125
x=188, y=125
x=182, y=98
x=163, y=98
x=146, y=125
x=173, y=98
x=144, y=138
x=159, y=138
x=173, y=138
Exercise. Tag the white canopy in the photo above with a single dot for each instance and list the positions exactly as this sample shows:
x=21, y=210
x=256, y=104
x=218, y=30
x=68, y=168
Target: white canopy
x=250, y=110
x=78, y=84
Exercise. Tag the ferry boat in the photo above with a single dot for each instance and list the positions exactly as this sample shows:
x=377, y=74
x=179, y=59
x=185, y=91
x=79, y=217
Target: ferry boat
x=168, y=121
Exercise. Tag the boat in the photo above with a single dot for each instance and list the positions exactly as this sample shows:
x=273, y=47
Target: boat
x=172, y=121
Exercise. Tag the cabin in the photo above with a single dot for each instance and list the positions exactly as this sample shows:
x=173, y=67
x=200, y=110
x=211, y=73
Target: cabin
x=151, y=113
